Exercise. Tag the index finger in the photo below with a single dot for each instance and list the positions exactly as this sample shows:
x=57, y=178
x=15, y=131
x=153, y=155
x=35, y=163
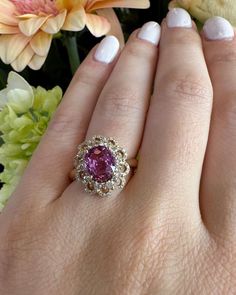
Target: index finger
x=51, y=163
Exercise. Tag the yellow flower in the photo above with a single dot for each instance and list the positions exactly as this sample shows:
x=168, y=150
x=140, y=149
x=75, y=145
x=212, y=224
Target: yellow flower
x=204, y=9
x=27, y=26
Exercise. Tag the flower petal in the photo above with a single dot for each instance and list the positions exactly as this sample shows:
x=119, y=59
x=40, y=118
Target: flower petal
x=54, y=23
x=27, y=16
x=11, y=46
x=7, y=10
x=7, y=6
x=3, y=98
x=116, y=29
x=41, y=43
x=30, y=26
x=16, y=81
x=118, y=3
x=20, y=100
x=5, y=29
x=97, y=25
x=37, y=62
x=23, y=59
x=75, y=20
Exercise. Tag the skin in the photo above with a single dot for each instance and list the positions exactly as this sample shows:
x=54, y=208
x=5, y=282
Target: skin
x=172, y=230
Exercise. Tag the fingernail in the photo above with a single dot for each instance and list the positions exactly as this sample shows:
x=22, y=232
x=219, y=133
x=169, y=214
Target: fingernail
x=178, y=18
x=218, y=28
x=150, y=32
x=107, y=50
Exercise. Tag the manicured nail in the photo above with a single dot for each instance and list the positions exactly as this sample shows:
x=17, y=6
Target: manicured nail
x=107, y=50
x=178, y=18
x=218, y=28
x=150, y=32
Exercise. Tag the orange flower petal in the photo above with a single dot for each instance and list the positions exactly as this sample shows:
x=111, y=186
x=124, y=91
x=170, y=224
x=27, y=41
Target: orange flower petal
x=116, y=29
x=97, y=25
x=5, y=29
x=41, y=43
x=75, y=20
x=98, y=4
x=65, y=4
x=30, y=26
x=7, y=9
x=54, y=23
x=23, y=59
x=11, y=46
x=37, y=62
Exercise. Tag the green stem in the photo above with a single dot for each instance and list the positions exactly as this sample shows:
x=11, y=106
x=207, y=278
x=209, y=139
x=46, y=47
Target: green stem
x=73, y=54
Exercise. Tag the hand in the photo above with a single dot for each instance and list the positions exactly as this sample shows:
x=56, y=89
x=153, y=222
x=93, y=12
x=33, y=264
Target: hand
x=172, y=229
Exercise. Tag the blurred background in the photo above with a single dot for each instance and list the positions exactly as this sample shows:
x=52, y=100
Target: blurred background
x=59, y=73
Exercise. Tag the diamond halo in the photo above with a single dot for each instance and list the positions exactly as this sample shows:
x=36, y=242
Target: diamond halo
x=101, y=165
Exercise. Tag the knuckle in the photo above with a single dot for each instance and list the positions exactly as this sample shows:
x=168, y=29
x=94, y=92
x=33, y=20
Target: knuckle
x=86, y=78
x=227, y=55
x=225, y=109
x=59, y=123
x=184, y=38
x=120, y=103
x=139, y=51
x=186, y=90
x=88, y=74
x=64, y=124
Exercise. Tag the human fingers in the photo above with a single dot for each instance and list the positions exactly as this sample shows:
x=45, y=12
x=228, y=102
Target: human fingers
x=121, y=109
x=178, y=122
x=218, y=183
x=122, y=105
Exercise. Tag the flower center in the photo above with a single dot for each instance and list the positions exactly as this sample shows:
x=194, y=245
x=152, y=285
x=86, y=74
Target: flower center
x=36, y=7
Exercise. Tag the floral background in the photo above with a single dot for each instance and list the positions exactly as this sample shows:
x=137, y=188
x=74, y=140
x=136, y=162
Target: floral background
x=28, y=100
x=56, y=70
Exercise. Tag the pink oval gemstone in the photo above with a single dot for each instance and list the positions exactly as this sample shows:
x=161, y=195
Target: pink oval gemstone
x=100, y=163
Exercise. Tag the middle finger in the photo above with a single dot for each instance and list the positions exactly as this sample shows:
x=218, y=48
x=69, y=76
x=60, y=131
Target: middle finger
x=177, y=129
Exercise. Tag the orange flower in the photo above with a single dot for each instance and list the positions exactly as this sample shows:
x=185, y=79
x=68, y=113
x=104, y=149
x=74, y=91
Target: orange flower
x=27, y=26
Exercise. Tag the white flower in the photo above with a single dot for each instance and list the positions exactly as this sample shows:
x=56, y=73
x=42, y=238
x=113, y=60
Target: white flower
x=18, y=94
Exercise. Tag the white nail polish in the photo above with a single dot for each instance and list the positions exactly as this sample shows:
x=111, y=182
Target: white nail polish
x=150, y=32
x=178, y=18
x=107, y=50
x=218, y=28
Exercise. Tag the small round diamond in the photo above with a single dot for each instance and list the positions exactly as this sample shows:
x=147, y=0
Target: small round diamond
x=100, y=163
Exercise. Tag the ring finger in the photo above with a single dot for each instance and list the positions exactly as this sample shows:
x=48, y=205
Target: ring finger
x=122, y=105
x=121, y=109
